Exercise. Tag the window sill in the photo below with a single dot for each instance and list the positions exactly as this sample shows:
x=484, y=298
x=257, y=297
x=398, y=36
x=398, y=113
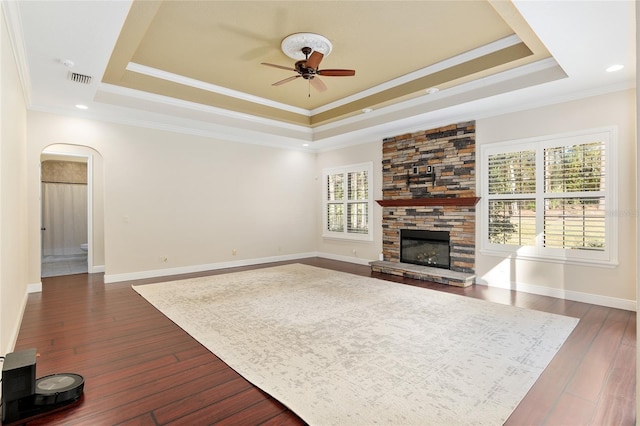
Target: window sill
x=352, y=238
x=538, y=258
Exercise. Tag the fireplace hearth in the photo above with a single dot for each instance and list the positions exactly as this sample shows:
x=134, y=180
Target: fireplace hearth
x=427, y=248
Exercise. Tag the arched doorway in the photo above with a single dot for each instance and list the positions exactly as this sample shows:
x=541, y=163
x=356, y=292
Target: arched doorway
x=72, y=231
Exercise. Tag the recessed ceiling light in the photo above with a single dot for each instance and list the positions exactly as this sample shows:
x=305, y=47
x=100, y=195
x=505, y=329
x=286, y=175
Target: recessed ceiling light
x=367, y=110
x=432, y=90
x=616, y=67
x=68, y=63
x=80, y=106
x=305, y=144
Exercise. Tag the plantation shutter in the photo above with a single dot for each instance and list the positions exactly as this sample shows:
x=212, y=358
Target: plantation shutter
x=347, y=202
x=512, y=173
x=512, y=187
x=574, y=203
x=552, y=197
x=358, y=204
x=335, y=202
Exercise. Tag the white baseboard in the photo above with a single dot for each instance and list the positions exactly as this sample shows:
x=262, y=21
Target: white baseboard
x=97, y=269
x=114, y=278
x=14, y=334
x=349, y=259
x=576, y=296
x=34, y=288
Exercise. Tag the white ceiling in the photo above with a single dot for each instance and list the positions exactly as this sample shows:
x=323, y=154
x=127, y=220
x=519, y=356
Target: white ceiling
x=583, y=38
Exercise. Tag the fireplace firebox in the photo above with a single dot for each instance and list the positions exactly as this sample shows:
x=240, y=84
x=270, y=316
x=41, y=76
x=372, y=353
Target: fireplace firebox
x=427, y=248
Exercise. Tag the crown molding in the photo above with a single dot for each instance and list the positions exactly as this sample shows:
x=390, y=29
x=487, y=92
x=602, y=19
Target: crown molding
x=442, y=65
x=11, y=14
x=186, y=81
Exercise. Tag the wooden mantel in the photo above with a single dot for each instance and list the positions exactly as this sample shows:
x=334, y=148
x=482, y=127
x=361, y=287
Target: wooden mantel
x=430, y=201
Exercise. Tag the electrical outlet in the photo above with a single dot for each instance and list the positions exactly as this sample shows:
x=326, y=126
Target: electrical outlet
x=429, y=169
x=415, y=170
x=164, y=259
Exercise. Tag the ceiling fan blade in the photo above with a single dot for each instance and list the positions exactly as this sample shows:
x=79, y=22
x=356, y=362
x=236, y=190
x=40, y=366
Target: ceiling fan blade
x=336, y=73
x=317, y=84
x=286, y=80
x=279, y=66
x=314, y=60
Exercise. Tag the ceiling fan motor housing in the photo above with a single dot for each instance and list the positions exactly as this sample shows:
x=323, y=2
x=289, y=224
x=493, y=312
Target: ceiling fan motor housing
x=304, y=71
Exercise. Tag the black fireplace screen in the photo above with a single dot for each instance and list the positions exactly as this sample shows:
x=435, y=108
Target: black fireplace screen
x=428, y=248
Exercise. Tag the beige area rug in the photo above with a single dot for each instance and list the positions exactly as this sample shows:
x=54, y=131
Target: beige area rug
x=341, y=349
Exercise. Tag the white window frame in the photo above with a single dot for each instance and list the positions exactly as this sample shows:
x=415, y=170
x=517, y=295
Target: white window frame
x=609, y=256
x=366, y=167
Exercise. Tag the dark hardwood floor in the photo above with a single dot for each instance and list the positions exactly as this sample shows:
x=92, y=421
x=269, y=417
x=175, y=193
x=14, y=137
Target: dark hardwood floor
x=141, y=369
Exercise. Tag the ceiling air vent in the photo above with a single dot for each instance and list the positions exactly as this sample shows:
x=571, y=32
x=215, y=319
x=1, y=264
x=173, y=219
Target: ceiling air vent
x=80, y=78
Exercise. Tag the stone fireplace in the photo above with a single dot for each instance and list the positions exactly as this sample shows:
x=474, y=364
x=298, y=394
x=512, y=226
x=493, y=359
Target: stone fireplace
x=429, y=185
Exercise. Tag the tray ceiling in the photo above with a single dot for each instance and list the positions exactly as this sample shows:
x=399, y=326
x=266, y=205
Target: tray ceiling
x=210, y=52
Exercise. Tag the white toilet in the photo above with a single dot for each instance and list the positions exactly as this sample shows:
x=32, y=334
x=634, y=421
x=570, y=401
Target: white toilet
x=84, y=247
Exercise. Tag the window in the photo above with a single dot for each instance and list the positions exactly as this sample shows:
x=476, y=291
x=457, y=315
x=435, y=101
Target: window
x=549, y=198
x=347, y=202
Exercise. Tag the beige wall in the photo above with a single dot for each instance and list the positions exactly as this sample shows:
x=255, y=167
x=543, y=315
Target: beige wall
x=614, y=284
x=353, y=251
x=13, y=207
x=190, y=199
x=637, y=210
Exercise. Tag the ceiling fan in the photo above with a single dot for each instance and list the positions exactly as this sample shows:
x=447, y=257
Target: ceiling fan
x=307, y=68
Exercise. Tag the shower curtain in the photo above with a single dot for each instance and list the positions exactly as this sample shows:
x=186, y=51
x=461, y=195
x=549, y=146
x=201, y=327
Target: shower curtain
x=64, y=217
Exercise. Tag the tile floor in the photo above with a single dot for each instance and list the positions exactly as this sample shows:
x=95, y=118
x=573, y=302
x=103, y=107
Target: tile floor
x=53, y=266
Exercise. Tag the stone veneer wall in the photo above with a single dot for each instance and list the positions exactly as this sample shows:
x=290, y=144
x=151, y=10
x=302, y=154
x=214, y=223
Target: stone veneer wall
x=450, y=150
